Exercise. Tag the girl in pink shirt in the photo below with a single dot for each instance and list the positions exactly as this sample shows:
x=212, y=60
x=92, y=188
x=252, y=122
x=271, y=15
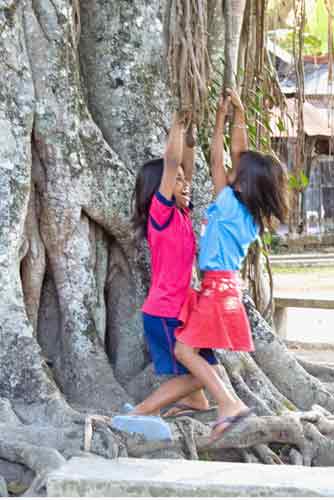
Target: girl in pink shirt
x=162, y=215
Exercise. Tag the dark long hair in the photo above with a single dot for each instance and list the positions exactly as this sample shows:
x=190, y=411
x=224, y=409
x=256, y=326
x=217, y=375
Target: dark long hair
x=147, y=183
x=262, y=185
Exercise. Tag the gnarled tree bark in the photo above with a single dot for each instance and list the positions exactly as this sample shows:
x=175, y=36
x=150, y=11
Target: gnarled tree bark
x=75, y=122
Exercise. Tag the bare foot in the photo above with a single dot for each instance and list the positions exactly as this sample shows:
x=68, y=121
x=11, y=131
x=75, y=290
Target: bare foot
x=196, y=401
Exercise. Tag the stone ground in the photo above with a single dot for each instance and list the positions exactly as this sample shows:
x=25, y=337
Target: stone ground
x=129, y=477
x=310, y=331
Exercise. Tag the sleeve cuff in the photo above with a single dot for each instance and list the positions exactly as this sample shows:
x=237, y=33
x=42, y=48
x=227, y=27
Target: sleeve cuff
x=165, y=201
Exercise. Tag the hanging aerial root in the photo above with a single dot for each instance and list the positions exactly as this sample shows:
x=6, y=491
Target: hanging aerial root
x=187, y=55
x=76, y=22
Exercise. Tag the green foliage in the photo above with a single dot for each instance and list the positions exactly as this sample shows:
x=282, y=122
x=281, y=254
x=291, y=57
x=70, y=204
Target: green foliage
x=267, y=238
x=298, y=182
x=271, y=241
x=312, y=45
x=258, y=120
x=315, y=36
x=280, y=124
x=317, y=23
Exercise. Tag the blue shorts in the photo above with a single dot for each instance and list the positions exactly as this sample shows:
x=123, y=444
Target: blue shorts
x=159, y=335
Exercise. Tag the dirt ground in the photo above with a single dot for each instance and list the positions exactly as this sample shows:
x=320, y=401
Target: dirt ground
x=309, y=325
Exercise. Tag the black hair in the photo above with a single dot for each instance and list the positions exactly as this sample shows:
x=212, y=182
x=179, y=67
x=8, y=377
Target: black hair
x=262, y=185
x=147, y=183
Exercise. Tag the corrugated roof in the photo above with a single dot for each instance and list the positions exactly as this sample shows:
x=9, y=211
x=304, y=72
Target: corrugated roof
x=275, y=49
x=317, y=121
x=315, y=80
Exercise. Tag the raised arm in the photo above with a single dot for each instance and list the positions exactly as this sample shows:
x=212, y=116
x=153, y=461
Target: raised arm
x=218, y=173
x=172, y=157
x=239, y=136
x=188, y=158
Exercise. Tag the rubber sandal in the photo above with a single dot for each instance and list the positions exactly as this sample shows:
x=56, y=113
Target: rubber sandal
x=151, y=427
x=231, y=422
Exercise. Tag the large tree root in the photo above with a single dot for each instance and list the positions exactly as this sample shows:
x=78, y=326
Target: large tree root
x=77, y=180
x=310, y=433
x=21, y=444
x=322, y=371
x=40, y=459
x=309, y=437
x=294, y=437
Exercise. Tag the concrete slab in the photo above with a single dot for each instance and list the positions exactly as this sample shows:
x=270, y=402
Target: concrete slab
x=130, y=477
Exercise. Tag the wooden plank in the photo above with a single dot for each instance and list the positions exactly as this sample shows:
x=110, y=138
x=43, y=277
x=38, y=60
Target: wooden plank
x=281, y=302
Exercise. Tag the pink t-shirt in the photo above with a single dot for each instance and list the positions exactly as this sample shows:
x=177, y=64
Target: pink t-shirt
x=172, y=244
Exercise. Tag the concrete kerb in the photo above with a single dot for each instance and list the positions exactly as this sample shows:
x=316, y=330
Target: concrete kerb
x=302, y=260
x=130, y=477
x=298, y=256
x=3, y=488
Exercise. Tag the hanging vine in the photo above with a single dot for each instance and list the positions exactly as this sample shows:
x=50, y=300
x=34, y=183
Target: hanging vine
x=330, y=11
x=76, y=22
x=296, y=222
x=186, y=38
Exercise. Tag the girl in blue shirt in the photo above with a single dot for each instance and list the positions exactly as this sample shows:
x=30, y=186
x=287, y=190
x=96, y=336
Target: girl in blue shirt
x=245, y=202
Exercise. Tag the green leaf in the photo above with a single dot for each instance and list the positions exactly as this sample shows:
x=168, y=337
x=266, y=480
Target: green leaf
x=280, y=125
x=304, y=179
x=293, y=182
x=317, y=23
x=267, y=238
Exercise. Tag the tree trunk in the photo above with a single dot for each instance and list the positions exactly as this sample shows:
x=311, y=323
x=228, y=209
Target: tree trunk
x=76, y=121
x=233, y=17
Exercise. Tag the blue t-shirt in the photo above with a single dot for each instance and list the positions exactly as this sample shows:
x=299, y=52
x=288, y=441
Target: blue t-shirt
x=227, y=231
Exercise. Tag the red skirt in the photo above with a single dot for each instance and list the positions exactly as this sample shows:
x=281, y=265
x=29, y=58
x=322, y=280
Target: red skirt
x=215, y=317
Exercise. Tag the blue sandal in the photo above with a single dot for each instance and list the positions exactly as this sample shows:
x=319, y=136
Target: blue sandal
x=151, y=427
